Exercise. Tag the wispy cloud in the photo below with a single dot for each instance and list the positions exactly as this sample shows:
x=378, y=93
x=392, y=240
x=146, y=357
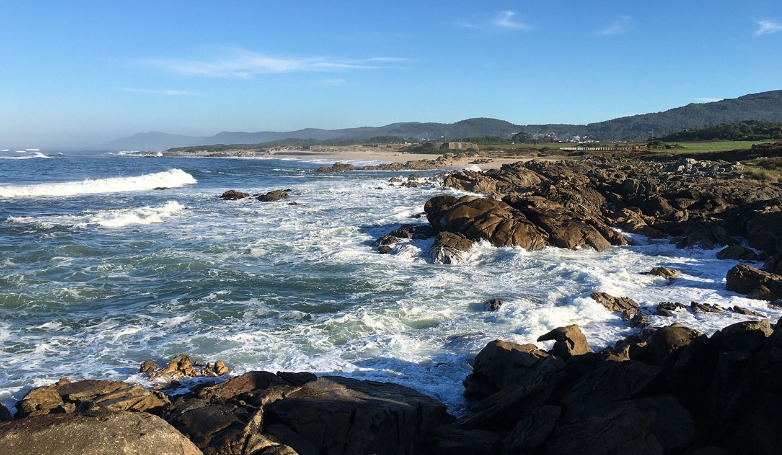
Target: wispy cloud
x=245, y=64
x=708, y=100
x=157, y=91
x=620, y=26
x=767, y=27
x=503, y=20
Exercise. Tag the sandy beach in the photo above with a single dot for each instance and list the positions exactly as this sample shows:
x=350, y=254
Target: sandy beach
x=353, y=154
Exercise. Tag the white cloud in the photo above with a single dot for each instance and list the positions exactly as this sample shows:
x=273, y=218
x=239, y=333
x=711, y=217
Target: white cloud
x=245, y=64
x=767, y=27
x=157, y=91
x=503, y=20
x=708, y=100
x=620, y=26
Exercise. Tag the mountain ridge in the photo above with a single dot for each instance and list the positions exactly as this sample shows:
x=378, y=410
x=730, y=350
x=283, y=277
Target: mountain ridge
x=766, y=106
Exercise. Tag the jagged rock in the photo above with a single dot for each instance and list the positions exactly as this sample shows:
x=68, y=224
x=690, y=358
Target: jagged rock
x=494, y=304
x=666, y=340
x=93, y=433
x=233, y=195
x=756, y=283
x=5, y=414
x=450, y=248
x=745, y=311
x=452, y=440
x=569, y=341
x=406, y=231
x=502, y=363
x=737, y=252
x=80, y=396
x=705, y=307
x=341, y=415
x=667, y=308
x=614, y=303
x=533, y=429
x=665, y=272
x=149, y=367
x=337, y=167
x=275, y=195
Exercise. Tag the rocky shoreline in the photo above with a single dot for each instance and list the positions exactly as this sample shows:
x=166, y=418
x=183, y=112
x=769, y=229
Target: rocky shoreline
x=662, y=390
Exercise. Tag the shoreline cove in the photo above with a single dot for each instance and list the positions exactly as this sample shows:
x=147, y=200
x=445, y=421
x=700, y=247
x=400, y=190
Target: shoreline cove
x=291, y=278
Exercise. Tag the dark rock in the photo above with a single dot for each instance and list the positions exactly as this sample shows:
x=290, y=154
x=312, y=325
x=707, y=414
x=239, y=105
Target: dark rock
x=667, y=308
x=737, y=252
x=745, y=311
x=452, y=440
x=340, y=415
x=337, y=167
x=5, y=414
x=666, y=340
x=233, y=195
x=569, y=341
x=494, y=304
x=532, y=430
x=705, y=307
x=614, y=303
x=93, y=433
x=275, y=195
x=450, y=248
x=149, y=367
x=756, y=283
x=665, y=272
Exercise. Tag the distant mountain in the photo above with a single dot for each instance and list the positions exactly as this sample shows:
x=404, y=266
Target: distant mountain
x=766, y=106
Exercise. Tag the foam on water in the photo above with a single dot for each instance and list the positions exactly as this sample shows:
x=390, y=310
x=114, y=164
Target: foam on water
x=168, y=179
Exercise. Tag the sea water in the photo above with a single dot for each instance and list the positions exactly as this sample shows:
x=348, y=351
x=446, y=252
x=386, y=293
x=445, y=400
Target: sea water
x=109, y=260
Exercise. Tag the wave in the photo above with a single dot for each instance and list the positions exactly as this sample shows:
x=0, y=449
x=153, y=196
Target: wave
x=172, y=178
x=114, y=218
x=22, y=155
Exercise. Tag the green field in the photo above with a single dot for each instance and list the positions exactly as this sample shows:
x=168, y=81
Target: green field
x=715, y=146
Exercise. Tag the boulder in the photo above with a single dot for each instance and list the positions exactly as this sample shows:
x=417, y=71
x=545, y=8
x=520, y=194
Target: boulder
x=93, y=433
x=667, y=340
x=233, y=195
x=341, y=415
x=5, y=414
x=337, y=167
x=665, y=272
x=569, y=341
x=737, y=252
x=757, y=284
x=275, y=195
x=453, y=440
x=450, y=248
x=614, y=303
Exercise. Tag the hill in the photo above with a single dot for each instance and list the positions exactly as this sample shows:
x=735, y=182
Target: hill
x=765, y=106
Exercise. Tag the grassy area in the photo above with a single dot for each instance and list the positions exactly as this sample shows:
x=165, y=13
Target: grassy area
x=715, y=146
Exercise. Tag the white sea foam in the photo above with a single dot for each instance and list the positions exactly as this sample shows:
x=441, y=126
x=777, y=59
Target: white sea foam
x=168, y=179
x=112, y=218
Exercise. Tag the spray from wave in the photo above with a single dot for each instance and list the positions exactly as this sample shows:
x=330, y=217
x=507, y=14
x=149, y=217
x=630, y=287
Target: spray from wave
x=172, y=178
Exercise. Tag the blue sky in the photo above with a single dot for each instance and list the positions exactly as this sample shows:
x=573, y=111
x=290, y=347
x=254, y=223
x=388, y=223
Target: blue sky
x=82, y=73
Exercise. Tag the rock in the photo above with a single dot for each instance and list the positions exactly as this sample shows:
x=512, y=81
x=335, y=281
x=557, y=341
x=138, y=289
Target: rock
x=569, y=341
x=81, y=396
x=452, y=440
x=220, y=368
x=705, y=307
x=756, y=283
x=667, y=340
x=450, y=248
x=614, y=303
x=149, y=367
x=94, y=433
x=406, y=231
x=337, y=167
x=665, y=272
x=502, y=363
x=652, y=425
x=341, y=415
x=494, y=304
x=667, y=308
x=275, y=195
x=737, y=252
x=5, y=414
x=745, y=311
x=233, y=195
x=533, y=429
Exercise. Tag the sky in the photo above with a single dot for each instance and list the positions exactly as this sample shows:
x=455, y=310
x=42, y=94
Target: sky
x=82, y=73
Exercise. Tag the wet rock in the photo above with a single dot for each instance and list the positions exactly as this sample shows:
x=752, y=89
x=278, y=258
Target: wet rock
x=452, y=440
x=233, y=195
x=665, y=272
x=569, y=341
x=494, y=304
x=756, y=283
x=737, y=252
x=450, y=248
x=5, y=414
x=667, y=308
x=337, y=167
x=667, y=340
x=275, y=195
x=745, y=311
x=93, y=433
x=614, y=303
x=705, y=307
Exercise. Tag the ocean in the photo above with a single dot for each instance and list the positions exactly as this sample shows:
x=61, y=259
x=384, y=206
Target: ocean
x=107, y=260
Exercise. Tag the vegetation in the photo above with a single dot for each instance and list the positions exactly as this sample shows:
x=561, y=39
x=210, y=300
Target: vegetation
x=748, y=130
